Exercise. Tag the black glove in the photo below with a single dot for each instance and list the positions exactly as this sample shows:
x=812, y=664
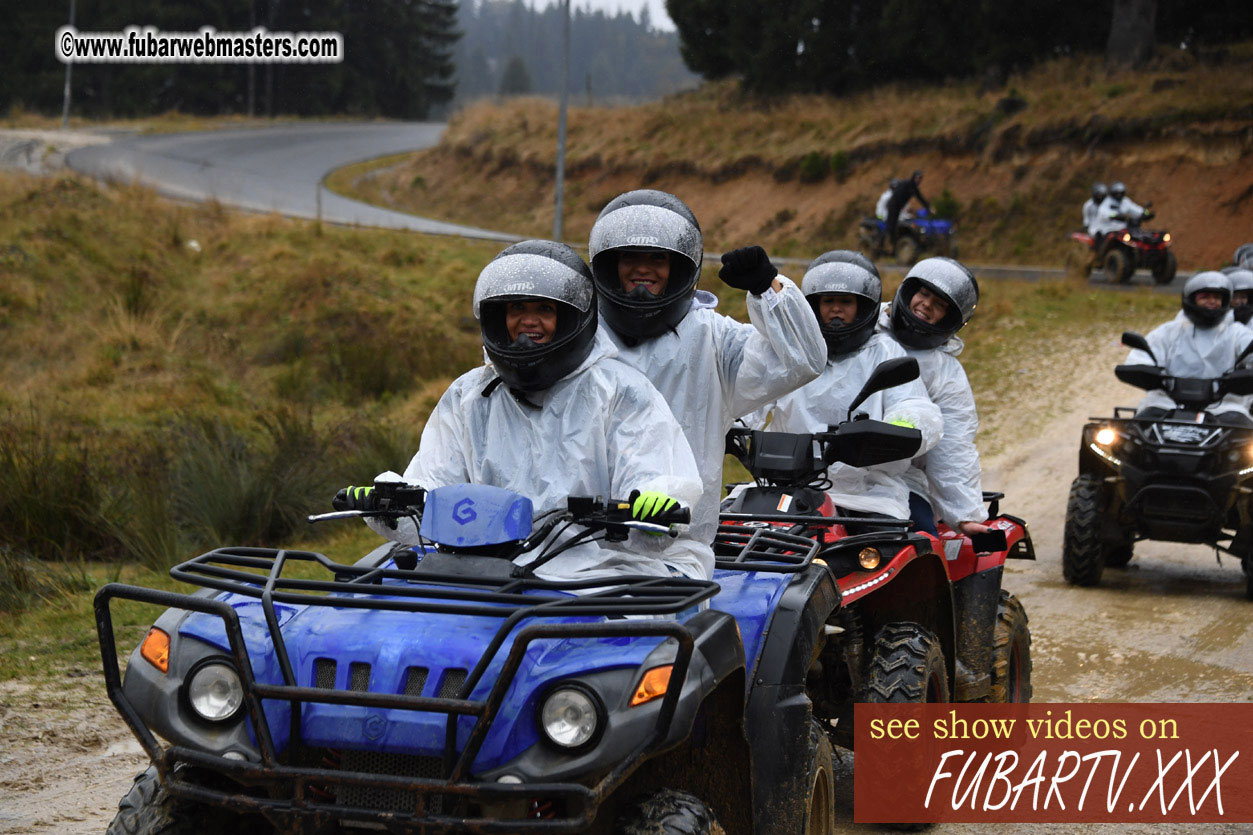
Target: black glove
x=748, y=269
x=1148, y=215
x=356, y=498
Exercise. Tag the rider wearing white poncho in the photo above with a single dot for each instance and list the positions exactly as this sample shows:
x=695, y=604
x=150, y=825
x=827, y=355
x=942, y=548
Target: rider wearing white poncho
x=1203, y=340
x=934, y=301
x=844, y=296
x=646, y=249
x=554, y=414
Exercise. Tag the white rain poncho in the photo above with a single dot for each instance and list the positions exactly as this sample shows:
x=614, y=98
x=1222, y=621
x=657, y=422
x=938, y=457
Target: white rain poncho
x=602, y=430
x=949, y=473
x=881, y=208
x=1185, y=350
x=825, y=402
x=1090, y=209
x=712, y=369
x=1113, y=214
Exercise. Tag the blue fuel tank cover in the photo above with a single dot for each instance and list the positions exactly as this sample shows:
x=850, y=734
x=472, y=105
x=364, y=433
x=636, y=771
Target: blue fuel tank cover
x=475, y=515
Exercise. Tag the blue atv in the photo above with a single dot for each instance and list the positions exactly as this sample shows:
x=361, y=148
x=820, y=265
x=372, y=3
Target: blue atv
x=448, y=689
x=916, y=237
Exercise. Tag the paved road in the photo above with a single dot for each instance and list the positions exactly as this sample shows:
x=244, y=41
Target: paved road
x=280, y=169
x=271, y=169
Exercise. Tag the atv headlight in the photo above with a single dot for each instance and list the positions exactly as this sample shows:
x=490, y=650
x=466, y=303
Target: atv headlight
x=1126, y=236
x=1166, y=238
x=570, y=717
x=1106, y=436
x=214, y=691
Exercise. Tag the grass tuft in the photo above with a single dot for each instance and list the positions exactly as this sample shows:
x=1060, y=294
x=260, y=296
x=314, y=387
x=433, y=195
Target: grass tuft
x=25, y=581
x=50, y=491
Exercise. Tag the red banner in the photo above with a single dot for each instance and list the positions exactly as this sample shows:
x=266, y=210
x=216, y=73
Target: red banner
x=1053, y=763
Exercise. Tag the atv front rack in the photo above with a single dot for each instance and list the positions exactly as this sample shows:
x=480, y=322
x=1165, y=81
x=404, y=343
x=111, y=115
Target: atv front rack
x=294, y=792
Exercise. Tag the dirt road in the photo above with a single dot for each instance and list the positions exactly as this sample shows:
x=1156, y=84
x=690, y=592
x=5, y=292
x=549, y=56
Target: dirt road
x=1173, y=626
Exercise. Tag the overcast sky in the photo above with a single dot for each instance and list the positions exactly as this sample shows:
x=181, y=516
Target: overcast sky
x=656, y=9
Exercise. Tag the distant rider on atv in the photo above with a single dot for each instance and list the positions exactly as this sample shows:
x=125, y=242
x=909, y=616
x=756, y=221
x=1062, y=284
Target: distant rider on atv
x=1114, y=214
x=1092, y=205
x=844, y=296
x=902, y=193
x=646, y=252
x=1203, y=340
x=935, y=301
x=554, y=414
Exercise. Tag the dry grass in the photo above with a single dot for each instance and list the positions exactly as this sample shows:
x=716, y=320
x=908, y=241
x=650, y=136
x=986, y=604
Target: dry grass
x=1018, y=178
x=191, y=375
x=193, y=309
x=716, y=129
x=171, y=121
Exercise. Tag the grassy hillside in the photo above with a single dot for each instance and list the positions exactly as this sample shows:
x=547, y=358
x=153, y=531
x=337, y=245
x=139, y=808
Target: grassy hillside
x=797, y=173
x=176, y=376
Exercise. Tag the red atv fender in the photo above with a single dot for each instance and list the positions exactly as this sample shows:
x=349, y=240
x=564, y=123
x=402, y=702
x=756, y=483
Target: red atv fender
x=961, y=559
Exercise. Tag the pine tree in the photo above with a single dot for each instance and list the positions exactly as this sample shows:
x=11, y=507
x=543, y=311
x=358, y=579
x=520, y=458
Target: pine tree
x=515, y=80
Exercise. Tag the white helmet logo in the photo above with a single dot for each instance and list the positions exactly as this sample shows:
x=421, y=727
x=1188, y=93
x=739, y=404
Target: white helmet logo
x=643, y=240
x=518, y=287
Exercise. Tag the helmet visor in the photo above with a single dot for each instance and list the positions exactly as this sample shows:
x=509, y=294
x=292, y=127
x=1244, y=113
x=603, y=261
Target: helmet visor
x=647, y=227
x=529, y=275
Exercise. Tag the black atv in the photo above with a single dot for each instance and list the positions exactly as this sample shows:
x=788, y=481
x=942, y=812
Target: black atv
x=1182, y=477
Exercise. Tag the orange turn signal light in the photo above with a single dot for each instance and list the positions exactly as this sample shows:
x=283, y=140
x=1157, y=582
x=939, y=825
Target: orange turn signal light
x=156, y=649
x=653, y=685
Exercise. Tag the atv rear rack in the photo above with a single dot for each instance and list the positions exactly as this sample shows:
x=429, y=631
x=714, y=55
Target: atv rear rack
x=767, y=548
x=758, y=545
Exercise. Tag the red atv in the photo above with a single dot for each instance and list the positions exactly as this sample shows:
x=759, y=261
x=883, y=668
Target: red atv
x=919, y=618
x=1124, y=251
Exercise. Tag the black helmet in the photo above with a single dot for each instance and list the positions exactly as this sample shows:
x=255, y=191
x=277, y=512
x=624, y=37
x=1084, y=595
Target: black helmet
x=1241, y=281
x=848, y=256
x=836, y=272
x=1213, y=281
x=948, y=279
x=646, y=219
x=917, y=175
x=1118, y=191
x=1099, y=192
x=525, y=272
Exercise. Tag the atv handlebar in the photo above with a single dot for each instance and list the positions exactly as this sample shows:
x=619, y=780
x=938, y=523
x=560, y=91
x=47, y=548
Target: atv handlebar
x=1192, y=392
x=395, y=499
x=790, y=459
x=398, y=500
x=614, y=515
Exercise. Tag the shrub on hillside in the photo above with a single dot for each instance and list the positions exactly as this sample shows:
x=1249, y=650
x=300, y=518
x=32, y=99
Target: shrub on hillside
x=50, y=490
x=813, y=167
x=210, y=483
x=946, y=205
x=841, y=165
